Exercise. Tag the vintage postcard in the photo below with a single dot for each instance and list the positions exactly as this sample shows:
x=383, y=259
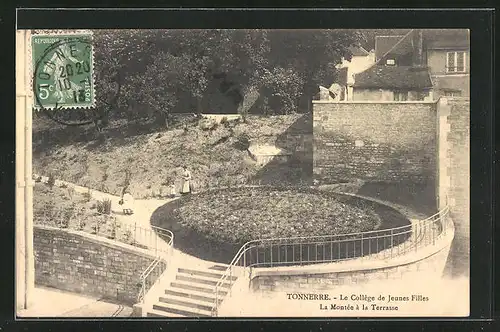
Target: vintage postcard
x=242, y=173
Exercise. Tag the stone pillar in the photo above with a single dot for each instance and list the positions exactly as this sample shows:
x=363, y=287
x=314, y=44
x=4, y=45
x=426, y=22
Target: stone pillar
x=454, y=178
x=443, y=159
x=25, y=264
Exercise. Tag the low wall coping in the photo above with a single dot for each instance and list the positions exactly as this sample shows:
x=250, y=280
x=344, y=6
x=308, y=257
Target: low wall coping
x=360, y=264
x=100, y=240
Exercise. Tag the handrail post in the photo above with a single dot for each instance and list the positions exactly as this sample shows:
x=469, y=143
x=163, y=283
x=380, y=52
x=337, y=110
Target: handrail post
x=216, y=300
x=415, y=235
x=392, y=241
x=433, y=233
x=443, y=223
x=230, y=279
x=362, y=252
x=271, y=255
x=143, y=290
x=135, y=232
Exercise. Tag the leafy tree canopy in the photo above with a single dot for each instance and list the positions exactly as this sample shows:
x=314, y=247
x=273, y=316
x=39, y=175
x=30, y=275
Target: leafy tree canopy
x=154, y=72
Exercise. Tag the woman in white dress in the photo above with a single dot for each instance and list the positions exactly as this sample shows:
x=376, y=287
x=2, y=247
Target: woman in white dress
x=186, y=181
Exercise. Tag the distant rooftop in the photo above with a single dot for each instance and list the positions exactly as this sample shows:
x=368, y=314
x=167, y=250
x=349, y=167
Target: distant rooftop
x=398, y=77
x=384, y=43
x=446, y=38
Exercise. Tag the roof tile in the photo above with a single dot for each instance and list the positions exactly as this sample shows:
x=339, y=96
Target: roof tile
x=397, y=77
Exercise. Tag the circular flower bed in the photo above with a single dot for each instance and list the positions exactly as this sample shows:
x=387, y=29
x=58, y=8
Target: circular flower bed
x=239, y=215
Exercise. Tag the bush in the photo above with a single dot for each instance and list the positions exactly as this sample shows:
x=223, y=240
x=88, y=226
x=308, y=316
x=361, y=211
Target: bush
x=224, y=121
x=104, y=206
x=65, y=216
x=127, y=237
x=112, y=229
x=51, y=180
x=81, y=224
x=71, y=192
x=96, y=227
x=208, y=124
x=243, y=142
x=87, y=196
x=103, y=188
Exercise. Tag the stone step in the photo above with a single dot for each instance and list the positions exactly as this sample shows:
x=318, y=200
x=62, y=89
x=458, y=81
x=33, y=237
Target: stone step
x=181, y=310
x=219, y=267
x=203, y=273
x=161, y=313
x=201, y=280
x=196, y=287
x=191, y=294
x=186, y=302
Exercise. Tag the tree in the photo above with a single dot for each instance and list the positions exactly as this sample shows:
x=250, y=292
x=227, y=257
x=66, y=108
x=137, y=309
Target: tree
x=164, y=69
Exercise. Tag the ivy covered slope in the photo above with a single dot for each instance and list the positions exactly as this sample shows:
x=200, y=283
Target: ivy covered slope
x=239, y=215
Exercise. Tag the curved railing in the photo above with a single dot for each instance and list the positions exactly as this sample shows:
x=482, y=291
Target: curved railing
x=301, y=250
x=154, y=271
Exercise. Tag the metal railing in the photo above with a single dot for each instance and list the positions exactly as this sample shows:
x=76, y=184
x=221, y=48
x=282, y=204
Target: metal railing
x=155, y=270
x=303, y=250
x=150, y=276
x=107, y=225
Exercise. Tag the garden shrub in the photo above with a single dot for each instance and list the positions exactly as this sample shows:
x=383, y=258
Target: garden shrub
x=112, y=229
x=224, y=121
x=64, y=215
x=96, y=227
x=104, y=206
x=82, y=223
x=127, y=237
x=71, y=192
x=243, y=142
x=51, y=180
x=87, y=196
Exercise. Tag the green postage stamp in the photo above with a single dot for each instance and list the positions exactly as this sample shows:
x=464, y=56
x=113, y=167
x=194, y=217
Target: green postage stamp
x=63, y=71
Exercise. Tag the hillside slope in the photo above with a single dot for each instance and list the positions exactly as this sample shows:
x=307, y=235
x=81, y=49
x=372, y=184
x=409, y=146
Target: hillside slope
x=154, y=158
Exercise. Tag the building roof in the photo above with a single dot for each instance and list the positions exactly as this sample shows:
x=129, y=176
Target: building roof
x=384, y=43
x=393, y=77
x=400, y=46
x=433, y=38
x=446, y=38
x=358, y=51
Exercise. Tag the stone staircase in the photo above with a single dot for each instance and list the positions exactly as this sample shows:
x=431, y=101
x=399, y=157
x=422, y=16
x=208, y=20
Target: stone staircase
x=192, y=293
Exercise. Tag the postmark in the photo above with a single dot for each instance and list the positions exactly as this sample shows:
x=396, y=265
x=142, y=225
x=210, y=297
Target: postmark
x=63, y=71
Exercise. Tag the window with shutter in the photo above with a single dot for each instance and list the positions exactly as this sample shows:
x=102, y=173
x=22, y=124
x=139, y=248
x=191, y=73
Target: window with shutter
x=400, y=95
x=455, y=62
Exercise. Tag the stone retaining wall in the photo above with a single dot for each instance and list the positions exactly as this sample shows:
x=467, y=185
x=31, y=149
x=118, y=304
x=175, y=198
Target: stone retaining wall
x=375, y=141
x=84, y=263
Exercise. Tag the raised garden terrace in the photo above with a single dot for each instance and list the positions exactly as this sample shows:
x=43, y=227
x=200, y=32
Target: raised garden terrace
x=214, y=224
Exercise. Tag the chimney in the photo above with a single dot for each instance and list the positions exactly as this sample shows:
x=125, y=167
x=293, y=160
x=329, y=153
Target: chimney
x=418, y=52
